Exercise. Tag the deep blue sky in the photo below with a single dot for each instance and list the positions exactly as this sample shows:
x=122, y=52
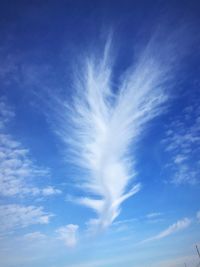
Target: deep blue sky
x=43, y=45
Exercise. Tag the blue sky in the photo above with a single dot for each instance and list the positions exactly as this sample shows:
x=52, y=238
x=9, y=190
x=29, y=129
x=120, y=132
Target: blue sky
x=99, y=133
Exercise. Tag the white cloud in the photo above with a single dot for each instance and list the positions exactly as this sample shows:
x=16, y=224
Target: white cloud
x=107, y=123
x=68, y=234
x=182, y=142
x=178, y=226
x=17, y=170
x=127, y=221
x=14, y=216
x=50, y=190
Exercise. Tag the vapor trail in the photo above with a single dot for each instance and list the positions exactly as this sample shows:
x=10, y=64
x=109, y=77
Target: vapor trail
x=107, y=125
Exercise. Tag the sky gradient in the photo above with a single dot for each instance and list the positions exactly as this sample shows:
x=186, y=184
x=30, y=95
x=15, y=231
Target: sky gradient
x=99, y=133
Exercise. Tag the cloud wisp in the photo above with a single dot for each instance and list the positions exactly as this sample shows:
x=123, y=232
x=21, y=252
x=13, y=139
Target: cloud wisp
x=182, y=144
x=15, y=216
x=19, y=181
x=17, y=169
x=178, y=226
x=107, y=124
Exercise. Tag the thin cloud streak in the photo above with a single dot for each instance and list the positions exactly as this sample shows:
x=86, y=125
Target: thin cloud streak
x=107, y=125
x=153, y=215
x=178, y=226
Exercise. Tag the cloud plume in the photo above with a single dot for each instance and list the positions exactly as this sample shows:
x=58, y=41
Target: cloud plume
x=107, y=124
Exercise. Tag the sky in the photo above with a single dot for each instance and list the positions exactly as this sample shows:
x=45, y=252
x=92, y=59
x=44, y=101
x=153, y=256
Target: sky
x=99, y=133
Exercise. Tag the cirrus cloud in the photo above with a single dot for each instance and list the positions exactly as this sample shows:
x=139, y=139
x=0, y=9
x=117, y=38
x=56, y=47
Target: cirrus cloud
x=176, y=227
x=15, y=216
x=107, y=125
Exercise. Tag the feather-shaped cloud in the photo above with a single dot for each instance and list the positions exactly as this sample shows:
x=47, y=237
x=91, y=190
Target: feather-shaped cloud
x=106, y=126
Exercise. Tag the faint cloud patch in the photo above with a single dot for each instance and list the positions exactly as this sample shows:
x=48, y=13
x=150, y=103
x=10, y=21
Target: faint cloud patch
x=49, y=191
x=20, y=179
x=17, y=170
x=154, y=217
x=182, y=143
x=15, y=216
x=34, y=236
x=68, y=234
x=198, y=215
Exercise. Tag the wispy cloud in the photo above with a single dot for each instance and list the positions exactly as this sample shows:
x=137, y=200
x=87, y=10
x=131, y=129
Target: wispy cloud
x=178, y=226
x=19, y=179
x=34, y=236
x=50, y=190
x=15, y=216
x=127, y=221
x=107, y=126
x=182, y=143
x=17, y=170
x=153, y=215
x=5, y=113
x=68, y=234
